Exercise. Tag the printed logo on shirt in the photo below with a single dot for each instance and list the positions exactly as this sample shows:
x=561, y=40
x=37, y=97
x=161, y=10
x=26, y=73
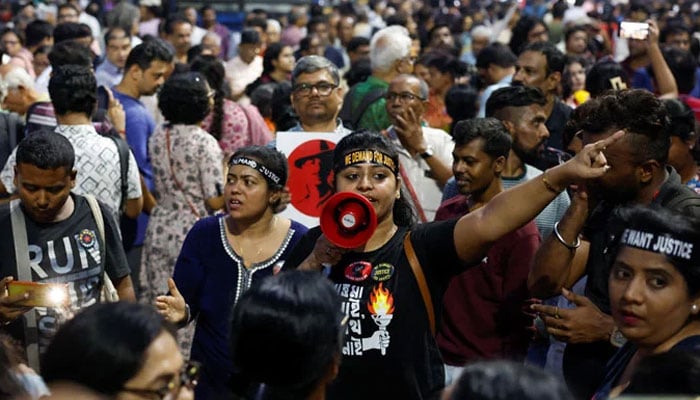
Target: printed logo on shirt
x=87, y=238
x=379, y=306
x=382, y=272
x=358, y=271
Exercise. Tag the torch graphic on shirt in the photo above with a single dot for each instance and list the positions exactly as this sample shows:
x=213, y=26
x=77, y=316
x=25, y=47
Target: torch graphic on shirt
x=381, y=306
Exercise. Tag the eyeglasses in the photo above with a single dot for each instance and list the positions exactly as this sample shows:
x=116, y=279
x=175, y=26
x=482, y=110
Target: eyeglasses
x=188, y=377
x=323, y=88
x=403, y=97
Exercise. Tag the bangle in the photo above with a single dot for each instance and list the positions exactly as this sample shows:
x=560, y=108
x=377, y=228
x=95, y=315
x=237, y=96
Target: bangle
x=548, y=185
x=571, y=247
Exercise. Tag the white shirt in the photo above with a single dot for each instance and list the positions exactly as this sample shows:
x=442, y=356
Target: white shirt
x=97, y=163
x=427, y=189
x=241, y=74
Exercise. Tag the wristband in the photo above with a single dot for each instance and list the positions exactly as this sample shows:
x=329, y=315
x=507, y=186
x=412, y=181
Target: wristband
x=571, y=247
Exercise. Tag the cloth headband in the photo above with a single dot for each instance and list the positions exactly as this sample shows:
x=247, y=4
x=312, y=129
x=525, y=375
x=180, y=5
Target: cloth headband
x=368, y=156
x=249, y=162
x=661, y=243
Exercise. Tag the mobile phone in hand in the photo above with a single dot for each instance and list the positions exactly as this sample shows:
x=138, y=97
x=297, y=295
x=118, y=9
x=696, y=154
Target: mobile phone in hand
x=40, y=294
x=634, y=30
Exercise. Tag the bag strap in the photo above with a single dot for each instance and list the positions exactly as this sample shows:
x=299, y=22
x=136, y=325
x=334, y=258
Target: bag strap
x=123, y=150
x=420, y=279
x=24, y=273
x=352, y=117
x=97, y=215
x=109, y=292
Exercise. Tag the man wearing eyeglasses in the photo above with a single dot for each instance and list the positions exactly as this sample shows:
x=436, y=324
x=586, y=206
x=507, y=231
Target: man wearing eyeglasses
x=316, y=96
x=424, y=153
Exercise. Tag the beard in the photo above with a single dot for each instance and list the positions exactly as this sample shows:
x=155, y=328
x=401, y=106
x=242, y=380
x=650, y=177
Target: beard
x=528, y=156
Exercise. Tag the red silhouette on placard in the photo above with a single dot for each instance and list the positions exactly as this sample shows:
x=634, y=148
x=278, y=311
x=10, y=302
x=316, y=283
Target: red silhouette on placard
x=311, y=175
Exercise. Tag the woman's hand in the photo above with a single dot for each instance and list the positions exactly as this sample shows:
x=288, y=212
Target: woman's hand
x=172, y=306
x=324, y=253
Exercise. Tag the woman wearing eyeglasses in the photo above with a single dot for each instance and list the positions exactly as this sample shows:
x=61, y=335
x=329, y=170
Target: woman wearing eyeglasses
x=390, y=350
x=122, y=350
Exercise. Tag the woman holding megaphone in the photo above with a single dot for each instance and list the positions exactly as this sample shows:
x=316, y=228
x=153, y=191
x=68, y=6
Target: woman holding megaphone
x=392, y=285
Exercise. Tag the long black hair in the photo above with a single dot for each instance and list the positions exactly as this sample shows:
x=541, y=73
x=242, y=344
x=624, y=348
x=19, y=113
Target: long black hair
x=287, y=332
x=403, y=212
x=214, y=72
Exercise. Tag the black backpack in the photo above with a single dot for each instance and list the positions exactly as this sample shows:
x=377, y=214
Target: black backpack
x=350, y=119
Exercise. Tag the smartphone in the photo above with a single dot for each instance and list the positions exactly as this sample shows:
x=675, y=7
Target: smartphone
x=40, y=294
x=634, y=30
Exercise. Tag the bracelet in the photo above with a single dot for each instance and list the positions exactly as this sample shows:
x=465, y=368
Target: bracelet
x=548, y=185
x=571, y=247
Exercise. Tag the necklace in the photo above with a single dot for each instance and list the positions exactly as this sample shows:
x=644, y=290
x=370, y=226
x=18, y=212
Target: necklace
x=254, y=258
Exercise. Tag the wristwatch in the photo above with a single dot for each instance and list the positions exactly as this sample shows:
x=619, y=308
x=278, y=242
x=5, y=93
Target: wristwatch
x=428, y=152
x=617, y=339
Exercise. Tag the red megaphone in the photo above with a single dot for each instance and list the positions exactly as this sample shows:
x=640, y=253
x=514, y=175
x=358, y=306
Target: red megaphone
x=348, y=220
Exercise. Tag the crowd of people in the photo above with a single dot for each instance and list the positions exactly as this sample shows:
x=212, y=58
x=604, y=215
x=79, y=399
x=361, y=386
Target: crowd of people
x=532, y=166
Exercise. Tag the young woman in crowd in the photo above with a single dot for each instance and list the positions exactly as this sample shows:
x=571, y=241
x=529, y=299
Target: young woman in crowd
x=299, y=364
x=223, y=255
x=574, y=82
x=187, y=174
x=278, y=63
x=389, y=349
x=233, y=125
x=654, y=291
x=444, y=70
x=118, y=351
x=12, y=41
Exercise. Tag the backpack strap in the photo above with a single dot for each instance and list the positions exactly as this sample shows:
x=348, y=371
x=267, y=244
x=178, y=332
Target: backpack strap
x=123, y=149
x=109, y=292
x=352, y=117
x=24, y=273
x=420, y=279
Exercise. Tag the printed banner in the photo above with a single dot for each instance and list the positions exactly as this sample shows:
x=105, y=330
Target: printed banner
x=310, y=159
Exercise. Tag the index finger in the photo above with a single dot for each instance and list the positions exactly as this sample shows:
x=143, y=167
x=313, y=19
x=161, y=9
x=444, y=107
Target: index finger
x=602, y=144
x=109, y=94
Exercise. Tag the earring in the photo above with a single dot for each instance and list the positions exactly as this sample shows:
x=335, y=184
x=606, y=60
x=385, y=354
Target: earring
x=694, y=309
x=398, y=195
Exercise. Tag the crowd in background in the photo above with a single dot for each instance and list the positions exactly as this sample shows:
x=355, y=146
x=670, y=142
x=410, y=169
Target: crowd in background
x=561, y=257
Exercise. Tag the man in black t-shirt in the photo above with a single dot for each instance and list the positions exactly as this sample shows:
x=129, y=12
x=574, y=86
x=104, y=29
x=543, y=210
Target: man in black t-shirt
x=579, y=245
x=541, y=65
x=63, y=242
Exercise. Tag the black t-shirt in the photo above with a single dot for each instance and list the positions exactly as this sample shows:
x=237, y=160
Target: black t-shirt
x=389, y=351
x=69, y=251
x=556, y=123
x=672, y=195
